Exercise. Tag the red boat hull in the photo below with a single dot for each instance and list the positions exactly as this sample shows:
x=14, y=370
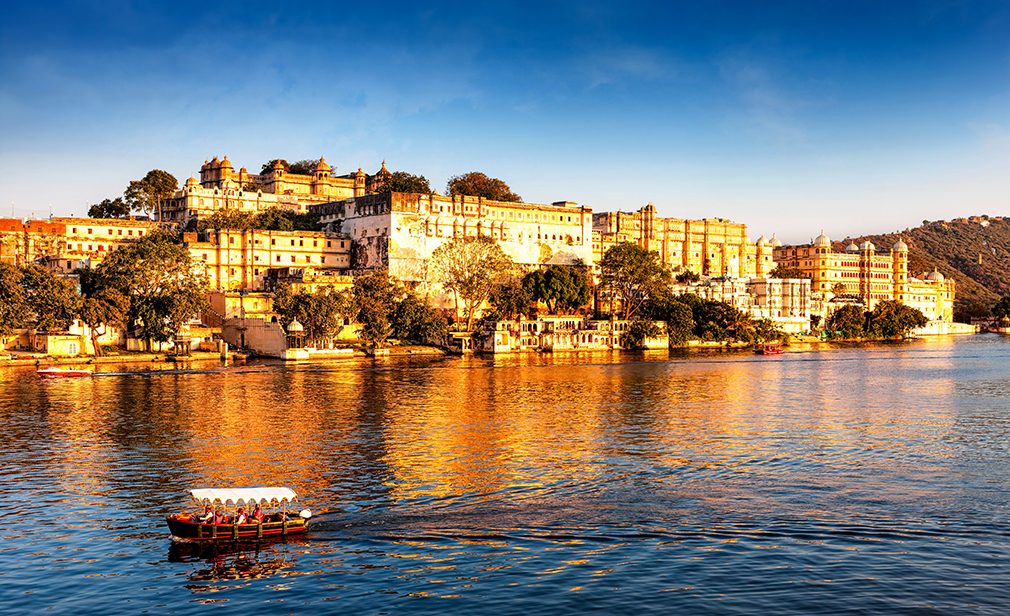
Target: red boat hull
x=186, y=527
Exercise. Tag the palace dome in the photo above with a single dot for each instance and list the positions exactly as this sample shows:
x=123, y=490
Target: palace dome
x=900, y=246
x=934, y=276
x=867, y=245
x=822, y=240
x=852, y=247
x=775, y=242
x=321, y=165
x=761, y=241
x=295, y=327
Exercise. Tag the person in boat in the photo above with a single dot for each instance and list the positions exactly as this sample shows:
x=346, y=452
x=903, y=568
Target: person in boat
x=240, y=516
x=220, y=517
x=207, y=516
x=257, y=514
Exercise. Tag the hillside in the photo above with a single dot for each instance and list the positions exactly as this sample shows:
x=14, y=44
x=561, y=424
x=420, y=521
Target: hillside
x=975, y=251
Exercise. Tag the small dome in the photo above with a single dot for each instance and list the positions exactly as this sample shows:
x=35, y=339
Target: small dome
x=322, y=166
x=295, y=327
x=205, y=164
x=214, y=162
x=775, y=242
x=761, y=241
x=225, y=163
x=822, y=240
x=900, y=246
x=867, y=245
x=934, y=276
x=243, y=170
x=852, y=247
x=192, y=181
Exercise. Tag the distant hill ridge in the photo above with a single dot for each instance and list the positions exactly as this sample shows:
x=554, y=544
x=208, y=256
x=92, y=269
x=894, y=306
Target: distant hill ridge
x=975, y=251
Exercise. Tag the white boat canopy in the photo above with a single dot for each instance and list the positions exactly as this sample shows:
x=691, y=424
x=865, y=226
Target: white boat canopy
x=243, y=495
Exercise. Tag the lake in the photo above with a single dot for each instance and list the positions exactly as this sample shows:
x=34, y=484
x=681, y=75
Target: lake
x=862, y=479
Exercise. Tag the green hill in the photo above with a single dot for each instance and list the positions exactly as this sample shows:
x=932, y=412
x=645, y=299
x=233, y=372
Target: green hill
x=975, y=251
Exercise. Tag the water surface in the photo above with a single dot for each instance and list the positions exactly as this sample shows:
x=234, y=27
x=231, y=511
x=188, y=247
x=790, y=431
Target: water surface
x=835, y=481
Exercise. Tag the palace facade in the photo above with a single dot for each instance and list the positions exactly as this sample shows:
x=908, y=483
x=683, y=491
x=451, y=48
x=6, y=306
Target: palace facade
x=220, y=187
x=709, y=247
x=862, y=272
x=400, y=231
x=66, y=244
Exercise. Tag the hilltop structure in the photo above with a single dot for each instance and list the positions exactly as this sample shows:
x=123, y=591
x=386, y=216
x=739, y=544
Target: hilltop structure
x=861, y=272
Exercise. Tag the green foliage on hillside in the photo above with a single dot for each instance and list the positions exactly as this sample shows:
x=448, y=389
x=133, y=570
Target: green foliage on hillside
x=975, y=254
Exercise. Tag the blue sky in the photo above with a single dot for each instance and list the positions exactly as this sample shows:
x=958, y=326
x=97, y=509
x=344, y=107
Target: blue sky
x=788, y=116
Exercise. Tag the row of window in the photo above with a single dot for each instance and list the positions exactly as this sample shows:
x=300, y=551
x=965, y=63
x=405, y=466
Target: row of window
x=90, y=231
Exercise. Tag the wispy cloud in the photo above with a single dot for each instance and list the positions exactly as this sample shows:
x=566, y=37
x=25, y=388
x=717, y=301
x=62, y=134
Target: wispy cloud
x=761, y=100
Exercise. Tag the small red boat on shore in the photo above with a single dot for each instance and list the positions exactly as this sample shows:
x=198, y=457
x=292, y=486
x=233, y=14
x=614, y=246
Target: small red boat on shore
x=188, y=527
x=51, y=372
x=768, y=349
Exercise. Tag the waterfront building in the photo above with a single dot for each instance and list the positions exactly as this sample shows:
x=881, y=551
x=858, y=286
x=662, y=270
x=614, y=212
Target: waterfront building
x=220, y=187
x=241, y=259
x=870, y=276
x=787, y=303
x=400, y=231
x=710, y=247
x=562, y=333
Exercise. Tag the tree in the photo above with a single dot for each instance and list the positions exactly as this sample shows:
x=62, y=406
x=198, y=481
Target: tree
x=322, y=312
x=13, y=303
x=892, y=319
x=677, y=314
x=414, y=320
x=470, y=267
x=303, y=167
x=157, y=275
x=638, y=330
x=512, y=298
x=235, y=220
x=374, y=296
x=782, y=271
x=765, y=330
x=688, y=277
x=109, y=208
x=403, y=182
x=53, y=300
x=1001, y=309
x=147, y=194
x=477, y=184
x=559, y=287
x=269, y=166
x=632, y=274
x=274, y=219
x=102, y=305
x=849, y=321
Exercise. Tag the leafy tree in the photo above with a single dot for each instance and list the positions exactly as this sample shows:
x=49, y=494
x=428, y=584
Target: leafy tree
x=109, y=208
x=631, y=274
x=53, y=300
x=849, y=321
x=638, y=330
x=677, y=314
x=322, y=312
x=414, y=320
x=688, y=277
x=274, y=219
x=403, y=182
x=157, y=275
x=13, y=303
x=781, y=271
x=303, y=167
x=719, y=321
x=512, y=299
x=477, y=184
x=374, y=296
x=147, y=194
x=470, y=267
x=559, y=287
x=269, y=166
x=102, y=304
x=892, y=319
x=765, y=330
x=235, y=220
x=1001, y=309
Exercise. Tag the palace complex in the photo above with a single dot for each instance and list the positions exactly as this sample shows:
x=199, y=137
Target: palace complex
x=710, y=247
x=360, y=230
x=861, y=272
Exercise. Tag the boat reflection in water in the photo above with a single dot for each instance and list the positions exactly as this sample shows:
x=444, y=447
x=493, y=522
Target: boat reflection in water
x=232, y=561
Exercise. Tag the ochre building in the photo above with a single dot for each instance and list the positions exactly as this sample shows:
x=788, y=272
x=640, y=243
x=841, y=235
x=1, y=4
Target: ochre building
x=710, y=247
x=862, y=272
x=399, y=231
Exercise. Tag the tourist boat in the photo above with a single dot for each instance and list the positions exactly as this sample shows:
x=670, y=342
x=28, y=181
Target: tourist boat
x=186, y=527
x=63, y=372
x=768, y=349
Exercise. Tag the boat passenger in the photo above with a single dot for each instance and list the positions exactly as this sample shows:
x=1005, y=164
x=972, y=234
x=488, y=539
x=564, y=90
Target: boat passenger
x=208, y=515
x=220, y=517
x=240, y=516
x=257, y=514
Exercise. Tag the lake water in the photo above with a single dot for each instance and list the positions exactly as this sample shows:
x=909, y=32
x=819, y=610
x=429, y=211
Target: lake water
x=831, y=481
